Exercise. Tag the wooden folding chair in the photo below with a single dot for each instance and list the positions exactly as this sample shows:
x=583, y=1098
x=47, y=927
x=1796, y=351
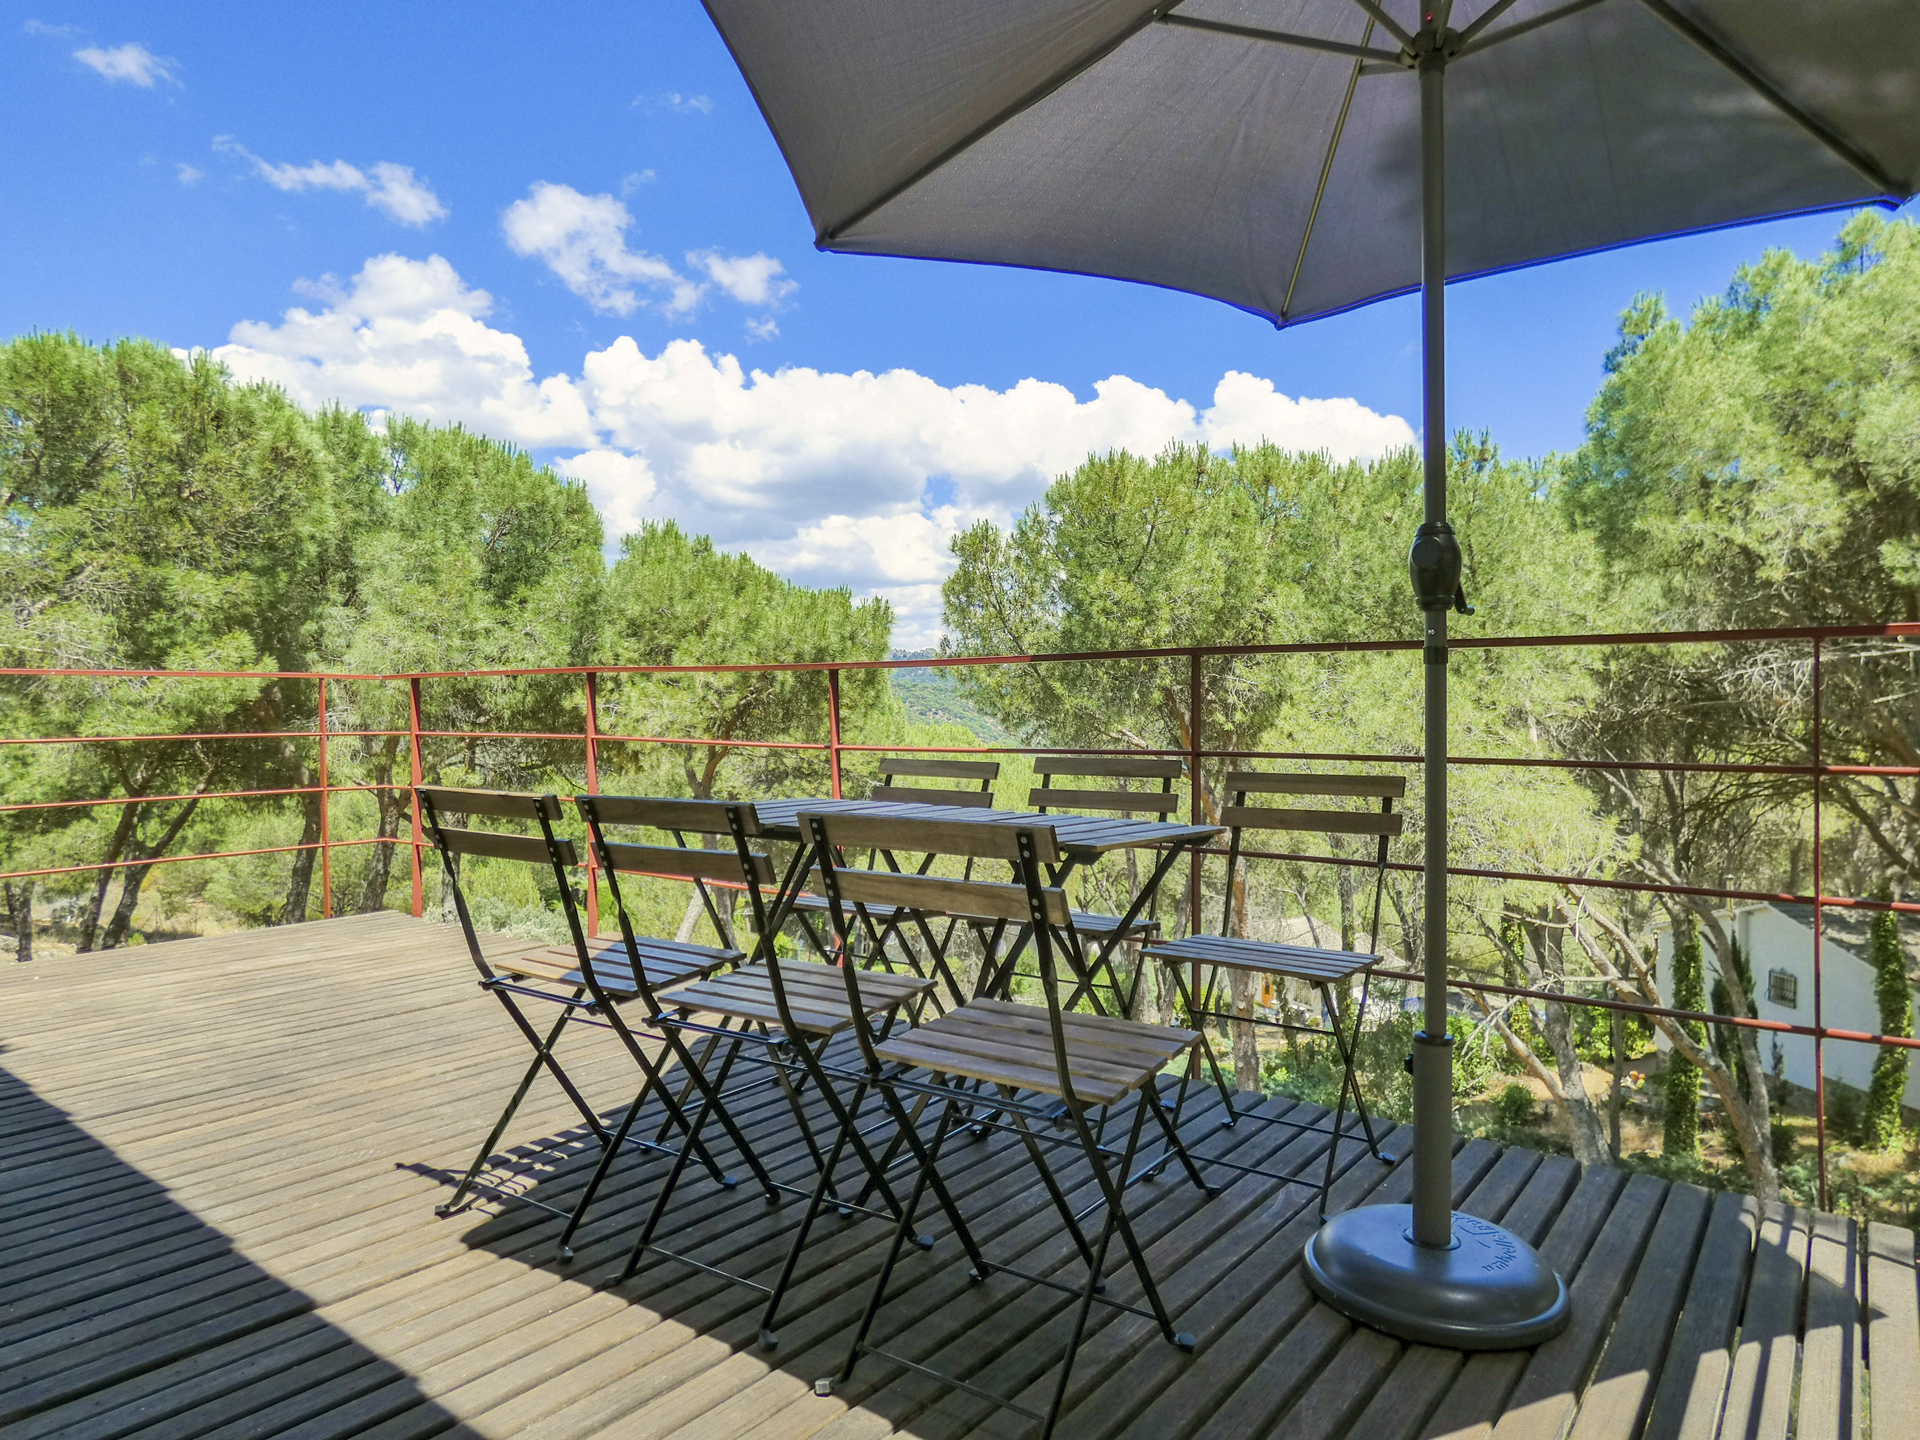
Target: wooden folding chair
x=588, y=984
x=650, y=959
x=790, y=1010
x=1071, y=1062
x=883, y=923
x=1212, y=956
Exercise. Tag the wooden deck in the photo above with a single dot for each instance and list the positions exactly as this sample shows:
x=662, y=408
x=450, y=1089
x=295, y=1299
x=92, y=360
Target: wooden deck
x=221, y=1159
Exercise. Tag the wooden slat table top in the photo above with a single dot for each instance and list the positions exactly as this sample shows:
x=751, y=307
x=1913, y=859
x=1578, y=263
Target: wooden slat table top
x=1082, y=836
x=222, y=1157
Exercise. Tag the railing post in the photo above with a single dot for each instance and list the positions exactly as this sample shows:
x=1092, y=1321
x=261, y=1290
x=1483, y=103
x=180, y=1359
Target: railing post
x=413, y=765
x=593, y=788
x=1819, y=890
x=1196, y=807
x=326, y=831
x=833, y=731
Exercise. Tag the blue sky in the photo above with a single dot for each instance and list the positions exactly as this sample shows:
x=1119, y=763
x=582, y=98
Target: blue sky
x=176, y=172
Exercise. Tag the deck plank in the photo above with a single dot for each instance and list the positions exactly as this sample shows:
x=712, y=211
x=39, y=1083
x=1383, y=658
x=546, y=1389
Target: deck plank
x=1893, y=1332
x=1693, y=1372
x=1760, y=1387
x=223, y=1156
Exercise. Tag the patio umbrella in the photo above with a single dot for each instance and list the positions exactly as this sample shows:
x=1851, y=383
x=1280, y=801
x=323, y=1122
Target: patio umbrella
x=1300, y=157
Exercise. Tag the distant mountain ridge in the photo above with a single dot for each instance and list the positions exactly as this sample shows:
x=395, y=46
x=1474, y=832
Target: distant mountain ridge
x=934, y=695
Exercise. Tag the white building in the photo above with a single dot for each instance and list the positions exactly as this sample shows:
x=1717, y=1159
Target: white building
x=1778, y=943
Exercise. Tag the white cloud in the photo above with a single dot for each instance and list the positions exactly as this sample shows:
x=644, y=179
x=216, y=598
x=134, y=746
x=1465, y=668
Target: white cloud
x=392, y=188
x=407, y=335
x=189, y=174
x=833, y=478
x=132, y=62
x=620, y=484
x=583, y=240
x=58, y=32
x=751, y=279
x=765, y=328
x=676, y=102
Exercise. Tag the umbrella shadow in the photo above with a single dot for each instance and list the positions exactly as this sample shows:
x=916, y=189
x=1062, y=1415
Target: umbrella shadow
x=121, y=1308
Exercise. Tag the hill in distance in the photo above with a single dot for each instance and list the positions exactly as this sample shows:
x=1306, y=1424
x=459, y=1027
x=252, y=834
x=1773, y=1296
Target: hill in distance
x=934, y=695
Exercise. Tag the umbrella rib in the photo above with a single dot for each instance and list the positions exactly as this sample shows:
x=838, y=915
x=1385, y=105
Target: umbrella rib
x=1326, y=169
x=1386, y=21
x=1026, y=102
x=1282, y=37
x=1519, y=27
x=1493, y=12
x=1858, y=160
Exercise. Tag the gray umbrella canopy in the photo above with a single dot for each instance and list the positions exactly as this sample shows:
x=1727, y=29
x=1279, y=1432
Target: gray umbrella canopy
x=1282, y=156
x=1109, y=137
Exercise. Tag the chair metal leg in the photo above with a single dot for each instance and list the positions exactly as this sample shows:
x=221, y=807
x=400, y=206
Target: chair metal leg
x=902, y=1228
x=710, y=1097
x=540, y=1059
x=770, y=1337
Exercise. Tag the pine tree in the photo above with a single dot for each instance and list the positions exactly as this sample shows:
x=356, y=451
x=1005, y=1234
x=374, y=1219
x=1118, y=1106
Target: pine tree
x=1889, y=960
x=1682, y=1129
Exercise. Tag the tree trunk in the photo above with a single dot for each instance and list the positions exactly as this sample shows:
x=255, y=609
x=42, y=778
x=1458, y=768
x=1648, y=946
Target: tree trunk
x=373, y=889
x=1246, y=1049
x=1618, y=1029
x=300, y=882
x=116, y=846
x=136, y=875
x=1583, y=1121
x=20, y=916
x=1750, y=1125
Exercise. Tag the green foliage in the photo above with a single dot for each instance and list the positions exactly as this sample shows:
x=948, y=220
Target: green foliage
x=1890, y=990
x=1760, y=467
x=159, y=516
x=1513, y=1108
x=1681, y=1104
x=673, y=599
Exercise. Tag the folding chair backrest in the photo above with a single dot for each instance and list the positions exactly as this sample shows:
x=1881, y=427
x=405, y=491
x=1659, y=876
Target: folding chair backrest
x=545, y=848
x=939, y=895
x=695, y=817
x=982, y=772
x=972, y=838
x=1028, y=901
x=735, y=864
x=1047, y=795
x=1240, y=817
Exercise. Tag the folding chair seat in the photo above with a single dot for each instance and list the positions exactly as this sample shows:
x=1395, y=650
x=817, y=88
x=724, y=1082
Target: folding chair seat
x=788, y=1009
x=1083, y=1062
x=664, y=963
x=1212, y=955
x=1004, y=1043
x=587, y=983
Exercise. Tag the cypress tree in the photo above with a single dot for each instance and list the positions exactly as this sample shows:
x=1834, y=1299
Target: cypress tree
x=1889, y=960
x=1682, y=1091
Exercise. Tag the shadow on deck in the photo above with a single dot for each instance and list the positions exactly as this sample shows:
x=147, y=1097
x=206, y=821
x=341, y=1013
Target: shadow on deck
x=223, y=1156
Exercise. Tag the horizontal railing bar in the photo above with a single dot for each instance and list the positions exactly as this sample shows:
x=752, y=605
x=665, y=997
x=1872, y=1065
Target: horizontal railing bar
x=209, y=855
x=1637, y=1007
x=204, y=735
x=192, y=795
x=1893, y=630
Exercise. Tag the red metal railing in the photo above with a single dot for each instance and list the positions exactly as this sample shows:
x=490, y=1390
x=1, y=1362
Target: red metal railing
x=835, y=748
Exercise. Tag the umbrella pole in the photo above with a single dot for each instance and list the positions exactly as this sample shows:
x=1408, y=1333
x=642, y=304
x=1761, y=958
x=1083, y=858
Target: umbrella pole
x=1433, y=1046
x=1421, y=1271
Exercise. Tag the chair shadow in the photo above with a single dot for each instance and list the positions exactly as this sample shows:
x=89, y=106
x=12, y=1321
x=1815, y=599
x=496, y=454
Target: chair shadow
x=121, y=1309
x=739, y=1230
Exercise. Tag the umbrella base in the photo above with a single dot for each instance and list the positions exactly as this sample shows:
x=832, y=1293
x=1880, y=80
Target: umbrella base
x=1489, y=1291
